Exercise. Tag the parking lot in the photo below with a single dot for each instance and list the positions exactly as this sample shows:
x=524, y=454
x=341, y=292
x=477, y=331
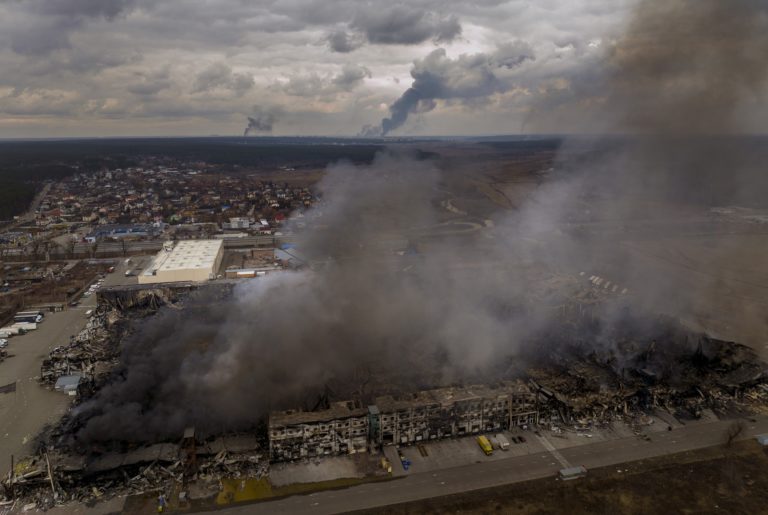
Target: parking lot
x=456, y=452
x=136, y=265
x=26, y=411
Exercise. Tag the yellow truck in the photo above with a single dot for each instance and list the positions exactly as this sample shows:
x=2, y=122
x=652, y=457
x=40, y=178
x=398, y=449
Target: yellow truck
x=485, y=445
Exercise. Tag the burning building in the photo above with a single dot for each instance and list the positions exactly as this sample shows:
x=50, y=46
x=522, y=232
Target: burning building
x=340, y=429
x=347, y=427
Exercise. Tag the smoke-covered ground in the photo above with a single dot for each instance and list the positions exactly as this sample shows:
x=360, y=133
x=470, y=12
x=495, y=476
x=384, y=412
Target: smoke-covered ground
x=681, y=79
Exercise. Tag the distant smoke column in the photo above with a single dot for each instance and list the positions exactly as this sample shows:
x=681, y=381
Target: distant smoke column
x=463, y=79
x=262, y=121
x=400, y=109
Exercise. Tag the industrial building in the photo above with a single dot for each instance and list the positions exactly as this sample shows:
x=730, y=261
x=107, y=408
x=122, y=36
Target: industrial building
x=340, y=429
x=188, y=260
x=346, y=428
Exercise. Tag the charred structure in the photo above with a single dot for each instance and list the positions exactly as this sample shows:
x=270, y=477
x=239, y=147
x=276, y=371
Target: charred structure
x=347, y=427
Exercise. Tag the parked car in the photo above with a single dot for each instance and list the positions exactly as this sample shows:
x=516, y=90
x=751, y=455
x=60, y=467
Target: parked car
x=3, y=343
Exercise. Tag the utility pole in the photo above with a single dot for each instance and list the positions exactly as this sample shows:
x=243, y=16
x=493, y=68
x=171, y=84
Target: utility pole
x=10, y=481
x=50, y=477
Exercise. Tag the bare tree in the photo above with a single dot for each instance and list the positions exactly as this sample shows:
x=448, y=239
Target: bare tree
x=35, y=248
x=70, y=248
x=729, y=468
x=735, y=430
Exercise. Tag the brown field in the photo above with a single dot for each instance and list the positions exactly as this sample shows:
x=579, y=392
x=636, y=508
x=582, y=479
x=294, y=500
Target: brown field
x=715, y=480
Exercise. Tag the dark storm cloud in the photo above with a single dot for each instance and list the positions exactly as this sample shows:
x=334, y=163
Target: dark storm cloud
x=404, y=25
x=107, y=9
x=150, y=84
x=350, y=77
x=95, y=50
x=220, y=75
x=398, y=24
x=41, y=37
x=343, y=42
x=147, y=88
x=326, y=87
x=49, y=25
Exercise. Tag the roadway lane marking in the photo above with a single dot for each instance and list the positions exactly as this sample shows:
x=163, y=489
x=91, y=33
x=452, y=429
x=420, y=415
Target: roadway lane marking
x=554, y=452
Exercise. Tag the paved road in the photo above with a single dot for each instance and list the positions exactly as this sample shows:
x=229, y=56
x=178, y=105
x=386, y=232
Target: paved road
x=494, y=473
x=24, y=413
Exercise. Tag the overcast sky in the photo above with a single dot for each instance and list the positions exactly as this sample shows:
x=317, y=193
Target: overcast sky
x=321, y=67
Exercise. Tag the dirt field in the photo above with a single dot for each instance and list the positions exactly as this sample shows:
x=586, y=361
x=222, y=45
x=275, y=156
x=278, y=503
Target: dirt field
x=715, y=480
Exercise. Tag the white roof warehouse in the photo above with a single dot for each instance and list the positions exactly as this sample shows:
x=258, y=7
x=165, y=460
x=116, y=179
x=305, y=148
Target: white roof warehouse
x=188, y=260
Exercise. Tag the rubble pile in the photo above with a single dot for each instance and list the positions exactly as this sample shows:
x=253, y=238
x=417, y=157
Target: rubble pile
x=63, y=471
x=95, y=351
x=582, y=374
x=672, y=369
x=90, y=354
x=60, y=476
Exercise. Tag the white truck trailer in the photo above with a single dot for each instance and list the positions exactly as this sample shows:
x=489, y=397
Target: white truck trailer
x=502, y=442
x=25, y=326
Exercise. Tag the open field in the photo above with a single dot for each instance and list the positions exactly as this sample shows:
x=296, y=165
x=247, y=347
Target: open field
x=712, y=480
x=700, y=262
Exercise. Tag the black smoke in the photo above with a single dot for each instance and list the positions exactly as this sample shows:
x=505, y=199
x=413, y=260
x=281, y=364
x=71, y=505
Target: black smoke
x=466, y=78
x=263, y=120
